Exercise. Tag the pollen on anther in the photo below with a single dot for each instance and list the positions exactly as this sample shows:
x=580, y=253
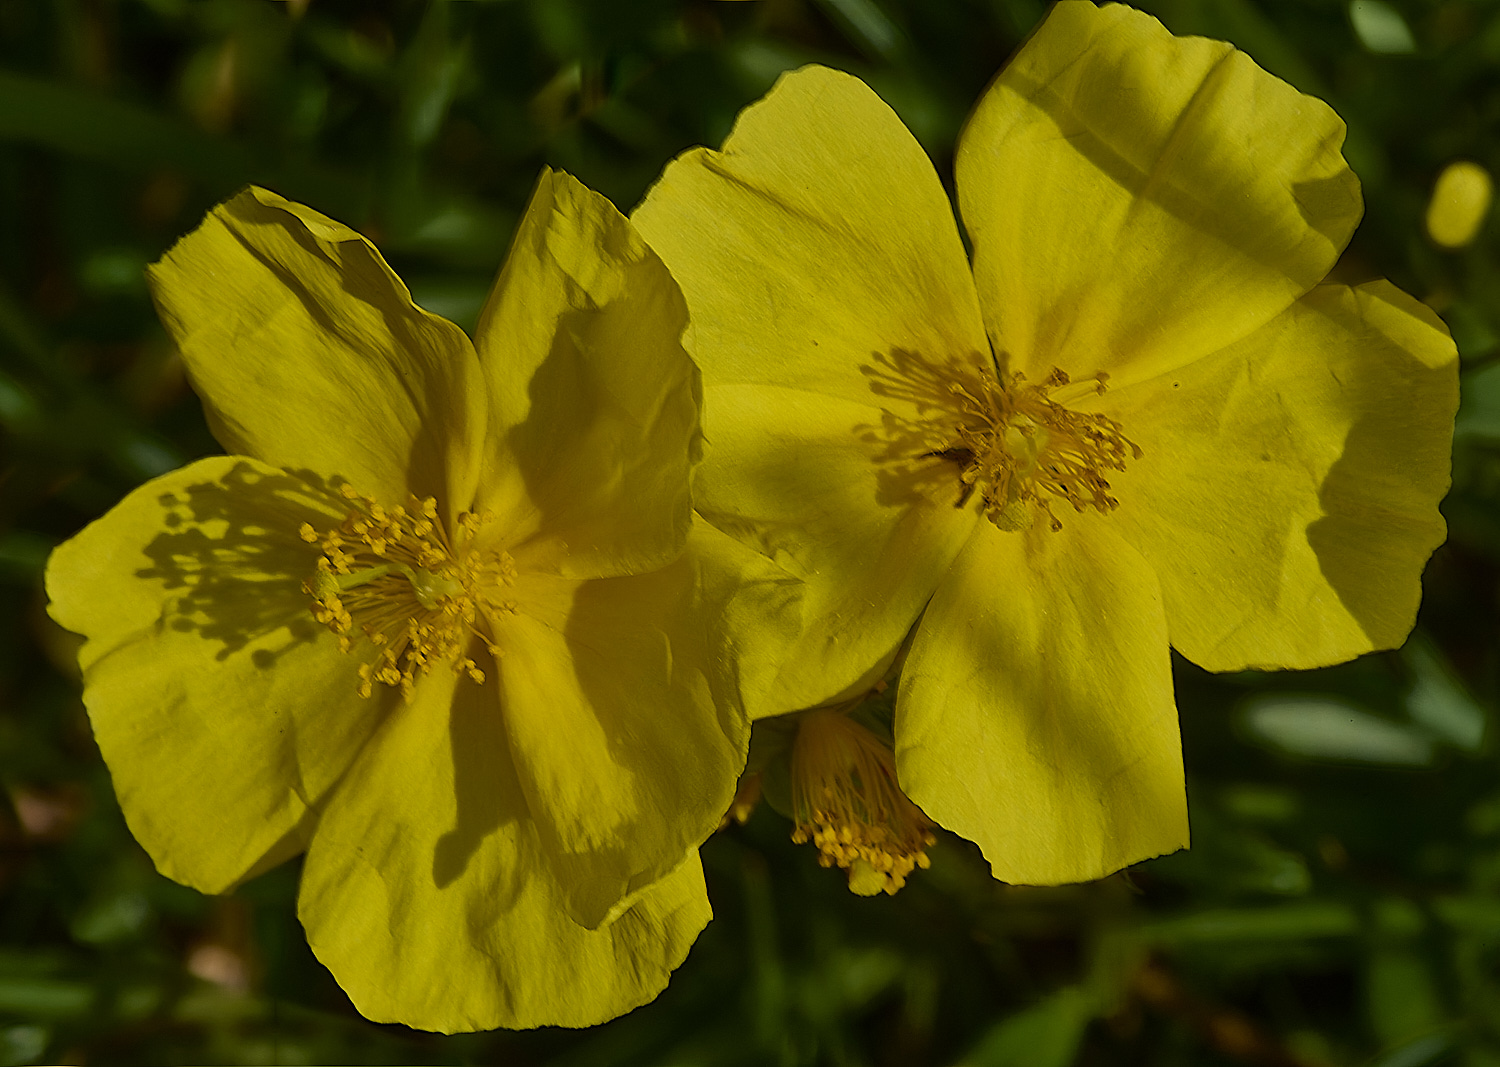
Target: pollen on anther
x=391, y=577
x=847, y=802
x=1022, y=450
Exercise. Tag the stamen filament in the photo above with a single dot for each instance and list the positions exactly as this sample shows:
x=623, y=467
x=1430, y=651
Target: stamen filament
x=415, y=599
x=1021, y=449
x=846, y=800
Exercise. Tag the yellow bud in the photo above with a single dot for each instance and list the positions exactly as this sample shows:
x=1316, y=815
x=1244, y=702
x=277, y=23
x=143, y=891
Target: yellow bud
x=1460, y=202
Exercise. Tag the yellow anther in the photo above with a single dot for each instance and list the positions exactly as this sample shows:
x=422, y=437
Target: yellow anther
x=392, y=576
x=1022, y=451
x=846, y=801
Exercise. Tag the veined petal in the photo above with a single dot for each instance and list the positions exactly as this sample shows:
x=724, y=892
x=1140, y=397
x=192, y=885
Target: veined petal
x=427, y=893
x=1288, y=491
x=624, y=720
x=224, y=712
x=817, y=238
x=595, y=403
x=1035, y=714
x=308, y=353
x=833, y=493
x=1137, y=200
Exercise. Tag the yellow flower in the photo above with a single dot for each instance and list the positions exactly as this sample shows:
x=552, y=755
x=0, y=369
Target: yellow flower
x=432, y=620
x=1139, y=418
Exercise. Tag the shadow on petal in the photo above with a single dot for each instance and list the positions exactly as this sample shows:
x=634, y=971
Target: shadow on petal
x=1380, y=497
x=486, y=790
x=308, y=351
x=911, y=445
x=1152, y=173
x=231, y=560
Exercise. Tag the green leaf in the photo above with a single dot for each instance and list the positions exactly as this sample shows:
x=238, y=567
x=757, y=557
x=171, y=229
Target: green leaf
x=86, y=124
x=111, y=918
x=1227, y=859
x=430, y=71
x=1439, y=701
x=1320, y=727
x=1418, y=1053
x=1380, y=28
x=868, y=25
x=45, y=998
x=1047, y=1035
x=1401, y=999
x=126, y=136
x=1286, y=922
x=22, y=1044
x=1479, y=916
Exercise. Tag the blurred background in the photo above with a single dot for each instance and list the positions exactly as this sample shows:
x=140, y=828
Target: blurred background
x=1341, y=904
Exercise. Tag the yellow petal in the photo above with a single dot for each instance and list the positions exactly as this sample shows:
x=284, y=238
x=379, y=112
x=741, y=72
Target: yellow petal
x=595, y=403
x=806, y=480
x=816, y=250
x=1137, y=200
x=427, y=894
x=1288, y=490
x=224, y=712
x=817, y=237
x=624, y=721
x=1035, y=714
x=308, y=353
x=757, y=610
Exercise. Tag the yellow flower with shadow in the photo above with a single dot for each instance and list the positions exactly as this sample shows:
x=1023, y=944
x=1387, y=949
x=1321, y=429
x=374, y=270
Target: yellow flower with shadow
x=1139, y=417
x=443, y=618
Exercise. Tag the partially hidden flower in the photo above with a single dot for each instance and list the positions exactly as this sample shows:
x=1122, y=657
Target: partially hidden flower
x=846, y=800
x=442, y=619
x=831, y=771
x=1139, y=417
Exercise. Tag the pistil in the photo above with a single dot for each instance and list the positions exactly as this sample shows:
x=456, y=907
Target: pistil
x=1021, y=450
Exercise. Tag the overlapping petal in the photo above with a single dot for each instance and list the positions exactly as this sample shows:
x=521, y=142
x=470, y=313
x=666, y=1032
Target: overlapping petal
x=443, y=862
x=623, y=719
x=427, y=890
x=1036, y=715
x=308, y=353
x=804, y=295
x=824, y=488
x=1288, y=491
x=224, y=711
x=1137, y=200
x=595, y=403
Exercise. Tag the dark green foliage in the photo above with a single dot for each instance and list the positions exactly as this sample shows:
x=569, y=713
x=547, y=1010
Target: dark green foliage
x=1341, y=905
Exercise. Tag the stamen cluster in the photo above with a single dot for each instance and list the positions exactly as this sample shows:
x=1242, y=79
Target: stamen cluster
x=846, y=801
x=1020, y=449
x=394, y=574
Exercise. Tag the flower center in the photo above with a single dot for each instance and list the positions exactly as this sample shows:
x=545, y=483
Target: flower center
x=394, y=576
x=1021, y=450
x=846, y=801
